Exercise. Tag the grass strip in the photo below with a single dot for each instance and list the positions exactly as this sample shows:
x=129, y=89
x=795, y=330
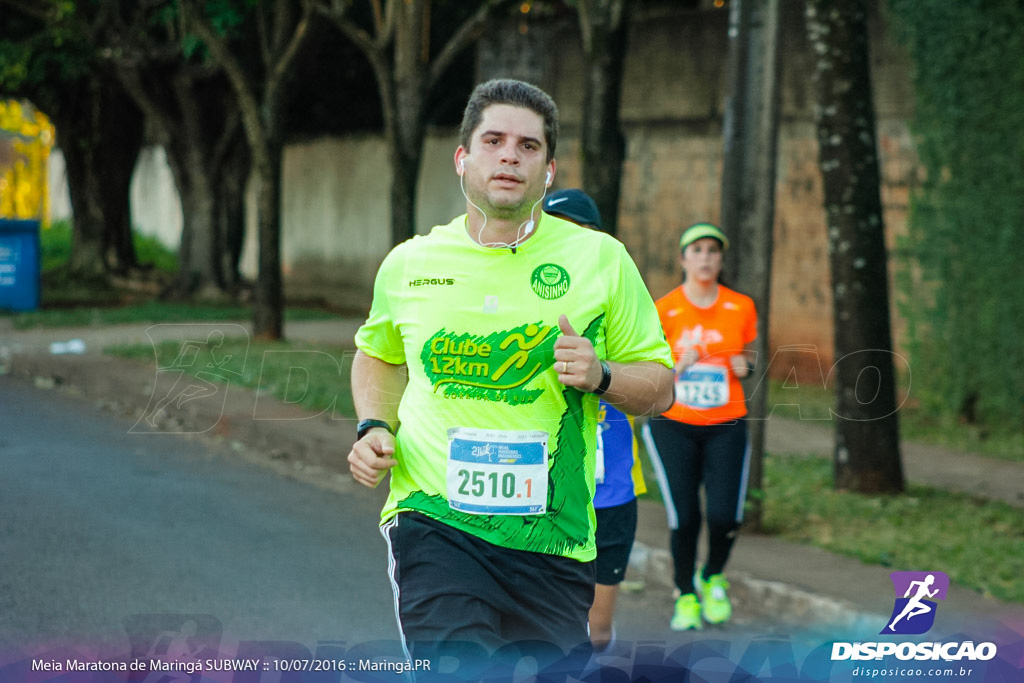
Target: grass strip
x=314, y=377
x=149, y=312
x=917, y=422
x=976, y=542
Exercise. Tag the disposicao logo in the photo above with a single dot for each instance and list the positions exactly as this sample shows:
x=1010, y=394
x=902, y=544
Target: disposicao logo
x=914, y=610
x=913, y=613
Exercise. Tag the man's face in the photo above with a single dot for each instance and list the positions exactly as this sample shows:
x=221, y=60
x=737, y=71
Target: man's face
x=504, y=170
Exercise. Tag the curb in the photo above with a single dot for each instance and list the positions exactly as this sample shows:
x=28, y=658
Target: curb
x=650, y=568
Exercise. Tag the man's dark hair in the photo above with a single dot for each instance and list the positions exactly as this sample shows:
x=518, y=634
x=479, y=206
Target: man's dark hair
x=517, y=94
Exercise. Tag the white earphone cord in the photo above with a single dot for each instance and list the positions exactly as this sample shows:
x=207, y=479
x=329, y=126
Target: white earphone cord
x=479, y=235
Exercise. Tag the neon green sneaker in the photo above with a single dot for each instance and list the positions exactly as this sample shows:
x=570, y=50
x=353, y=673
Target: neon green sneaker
x=714, y=599
x=687, y=614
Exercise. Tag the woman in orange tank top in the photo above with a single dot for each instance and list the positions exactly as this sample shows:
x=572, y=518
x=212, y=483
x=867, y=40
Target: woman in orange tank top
x=702, y=439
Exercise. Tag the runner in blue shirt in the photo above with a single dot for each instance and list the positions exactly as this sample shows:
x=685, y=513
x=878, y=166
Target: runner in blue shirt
x=618, y=475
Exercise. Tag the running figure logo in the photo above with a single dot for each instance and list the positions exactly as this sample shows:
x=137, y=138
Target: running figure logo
x=173, y=646
x=193, y=369
x=914, y=612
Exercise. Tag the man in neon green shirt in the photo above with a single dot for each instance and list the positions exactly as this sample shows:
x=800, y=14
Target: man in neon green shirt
x=477, y=382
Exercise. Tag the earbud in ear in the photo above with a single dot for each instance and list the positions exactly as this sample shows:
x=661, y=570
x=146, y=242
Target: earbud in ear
x=462, y=164
x=547, y=179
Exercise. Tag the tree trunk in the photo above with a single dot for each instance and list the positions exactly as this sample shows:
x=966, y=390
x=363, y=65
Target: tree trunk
x=405, y=170
x=405, y=135
x=200, y=122
x=194, y=113
x=406, y=67
x=748, y=196
x=99, y=130
x=867, y=448
x=604, y=25
x=261, y=104
x=198, y=259
x=234, y=174
x=268, y=304
x=404, y=92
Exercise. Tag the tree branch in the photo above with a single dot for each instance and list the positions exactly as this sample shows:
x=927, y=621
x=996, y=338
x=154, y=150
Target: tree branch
x=41, y=10
x=583, y=13
x=469, y=31
x=247, y=99
x=277, y=71
x=263, y=41
x=131, y=80
x=337, y=14
x=386, y=32
x=378, y=19
x=233, y=120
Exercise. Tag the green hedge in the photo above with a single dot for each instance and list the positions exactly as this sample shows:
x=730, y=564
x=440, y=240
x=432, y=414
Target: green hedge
x=55, y=248
x=962, y=286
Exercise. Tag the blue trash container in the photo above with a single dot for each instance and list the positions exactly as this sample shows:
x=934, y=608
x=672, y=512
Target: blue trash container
x=19, y=265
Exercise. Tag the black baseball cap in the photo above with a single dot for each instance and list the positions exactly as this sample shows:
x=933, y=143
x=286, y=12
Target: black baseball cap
x=575, y=205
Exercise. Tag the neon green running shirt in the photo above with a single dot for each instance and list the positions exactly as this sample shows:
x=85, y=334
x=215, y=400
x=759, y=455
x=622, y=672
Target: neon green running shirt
x=476, y=327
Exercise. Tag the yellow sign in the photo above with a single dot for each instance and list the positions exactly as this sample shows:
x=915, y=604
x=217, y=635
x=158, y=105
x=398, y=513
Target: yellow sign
x=26, y=137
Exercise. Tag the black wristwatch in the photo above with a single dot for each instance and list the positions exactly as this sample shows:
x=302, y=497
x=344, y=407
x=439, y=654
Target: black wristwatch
x=366, y=425
x=606, y=379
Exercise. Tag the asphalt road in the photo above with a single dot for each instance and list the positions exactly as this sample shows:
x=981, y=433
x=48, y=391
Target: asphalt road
x=126, y=546
x=108, y=537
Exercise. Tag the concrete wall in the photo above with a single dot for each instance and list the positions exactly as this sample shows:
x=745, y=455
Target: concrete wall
x=156, y=209
x=336, y=217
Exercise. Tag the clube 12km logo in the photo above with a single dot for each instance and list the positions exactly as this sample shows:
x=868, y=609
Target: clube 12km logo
x=913, y=613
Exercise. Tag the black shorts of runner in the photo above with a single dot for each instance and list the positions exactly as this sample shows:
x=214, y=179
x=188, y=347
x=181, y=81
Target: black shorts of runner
x=616, y=531
x=451, y=586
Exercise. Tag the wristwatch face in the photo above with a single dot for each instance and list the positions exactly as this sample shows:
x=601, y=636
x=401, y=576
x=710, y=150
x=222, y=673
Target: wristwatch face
x=366, y=425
